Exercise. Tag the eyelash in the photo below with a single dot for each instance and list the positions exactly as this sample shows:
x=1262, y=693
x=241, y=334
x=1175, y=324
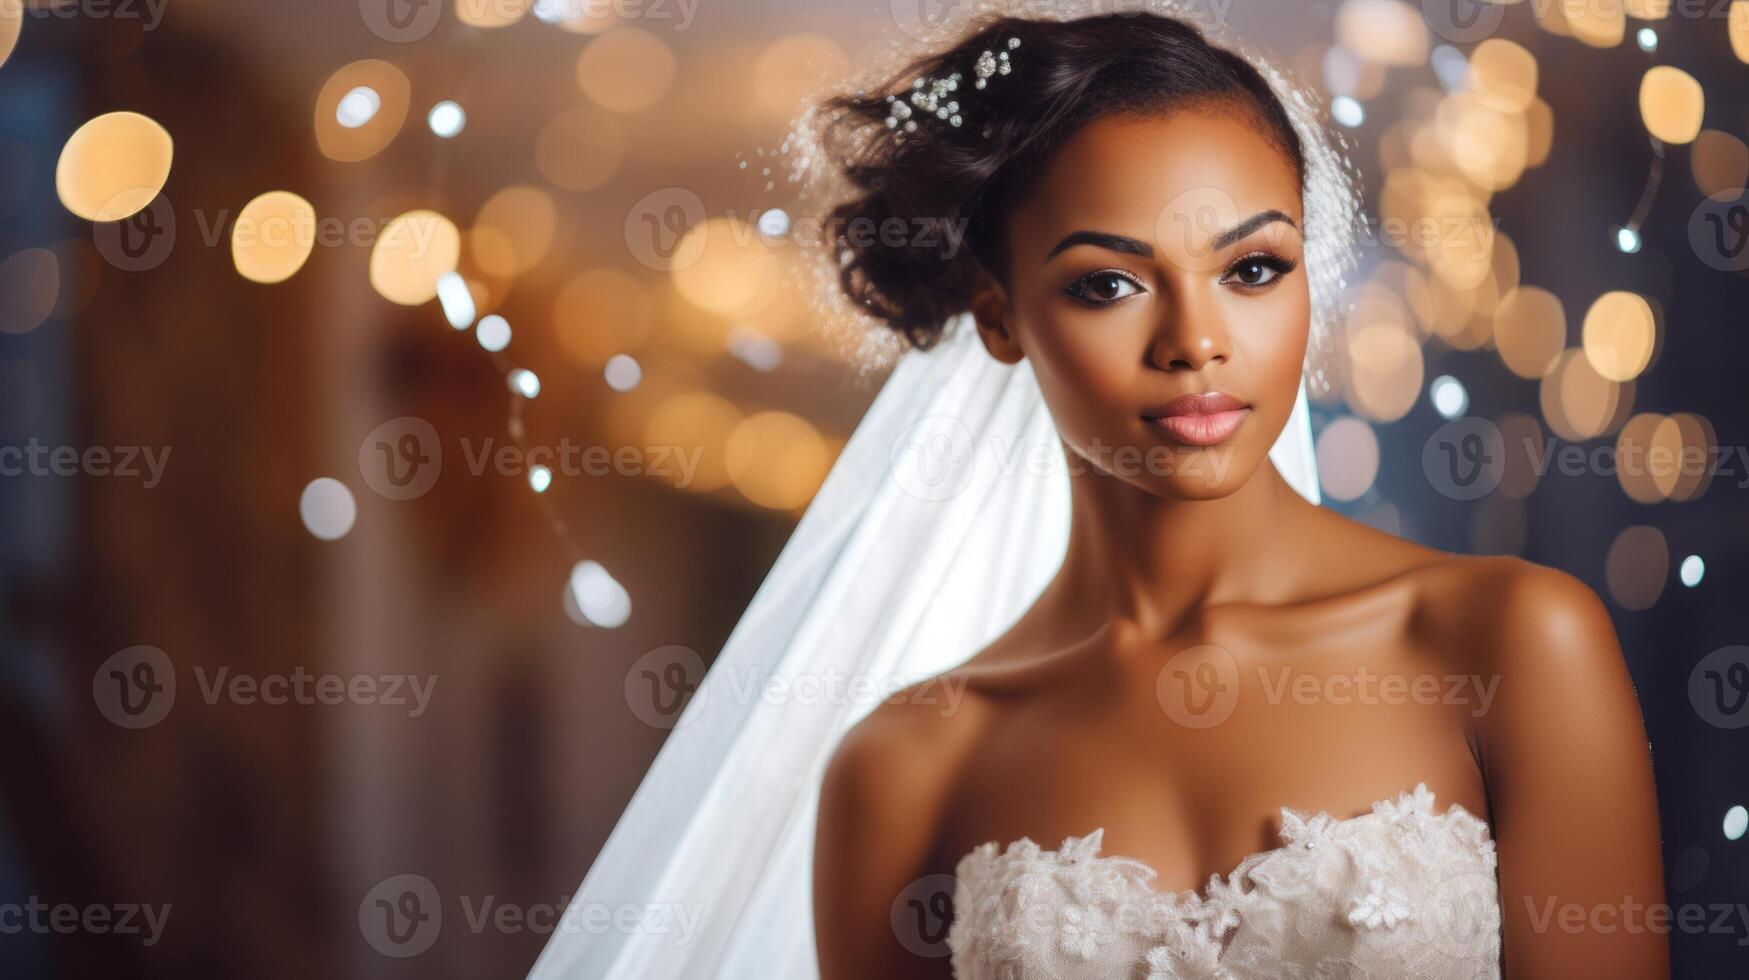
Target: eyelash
x=1280, y=265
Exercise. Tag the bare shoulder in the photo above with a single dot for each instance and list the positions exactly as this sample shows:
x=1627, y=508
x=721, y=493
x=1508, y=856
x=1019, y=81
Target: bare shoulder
x=908, y=747
x=1504, y=615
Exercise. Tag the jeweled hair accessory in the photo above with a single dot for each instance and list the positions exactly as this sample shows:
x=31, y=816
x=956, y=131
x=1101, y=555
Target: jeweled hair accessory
x=934, y=95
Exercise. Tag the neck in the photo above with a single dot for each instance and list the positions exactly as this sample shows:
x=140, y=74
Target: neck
x=1157, y=561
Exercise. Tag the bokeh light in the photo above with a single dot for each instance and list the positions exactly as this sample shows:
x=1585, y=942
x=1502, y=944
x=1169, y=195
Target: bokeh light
x=626, y=69
x=347, y=142
x=113, y=166
x=1637, y=564
x=776, y=459
x=273, y=237
x=30, y=285
x=410, y=255
x=1348, y=458
x=1619, y=334
x=327, y=508
x=1672, y=104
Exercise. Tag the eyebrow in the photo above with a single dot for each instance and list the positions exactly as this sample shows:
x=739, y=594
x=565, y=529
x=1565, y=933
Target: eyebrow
x=1135, y=246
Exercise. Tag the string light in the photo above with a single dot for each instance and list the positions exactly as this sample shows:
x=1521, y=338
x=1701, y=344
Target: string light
x=357, y=107
x=446, y=119
x=493, y=333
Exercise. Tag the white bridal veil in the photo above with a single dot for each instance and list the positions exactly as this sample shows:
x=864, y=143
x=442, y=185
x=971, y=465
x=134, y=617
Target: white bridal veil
x=941, y=521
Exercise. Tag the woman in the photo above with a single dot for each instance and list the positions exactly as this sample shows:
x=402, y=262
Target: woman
x=1379, y=759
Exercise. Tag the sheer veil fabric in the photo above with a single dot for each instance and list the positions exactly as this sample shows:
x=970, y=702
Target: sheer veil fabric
x=943, y=519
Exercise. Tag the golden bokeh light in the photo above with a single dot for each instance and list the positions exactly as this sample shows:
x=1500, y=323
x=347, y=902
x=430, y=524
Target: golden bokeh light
x=1599, y=25
x=1387, y=32
x=1738, y=26
x=1503, y=75
x=1637, y=565
x=1385, y=368
x=491, y=13
x=580, y=150
x=513, y=231
x=626, y=69
x=1521, y=439
x=1648, y=9
x=1671, y=103
x=11, y=20
x=1619, y=334
x=1348, y=458
x=350, y=144
x=1634, y=468
x=696, y=423
x=793, y=67
x=411, y=254
x=776, y=459
x=1577, y=402
x=1539, y=121
x=1530, y=330
x=1690, y=439
x=30, y=283
x=735, y=271
x=601, y=313
x=113, y=166
x=1720, y=163
x=1490, y=147
x=273, y=237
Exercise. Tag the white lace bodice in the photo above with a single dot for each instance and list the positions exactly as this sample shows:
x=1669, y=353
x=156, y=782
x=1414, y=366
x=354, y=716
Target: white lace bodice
x=1398, y=892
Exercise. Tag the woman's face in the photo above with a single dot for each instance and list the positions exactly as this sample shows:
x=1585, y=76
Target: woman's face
x=1156, y=285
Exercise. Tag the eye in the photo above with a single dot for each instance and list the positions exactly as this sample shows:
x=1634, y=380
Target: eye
x=1103, y=287
x=1257, y=270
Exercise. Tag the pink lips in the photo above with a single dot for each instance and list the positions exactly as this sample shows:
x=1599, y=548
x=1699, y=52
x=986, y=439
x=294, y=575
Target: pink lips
x=1202, y=419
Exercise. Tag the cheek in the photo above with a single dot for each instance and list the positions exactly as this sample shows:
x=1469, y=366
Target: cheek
x=1270, y=337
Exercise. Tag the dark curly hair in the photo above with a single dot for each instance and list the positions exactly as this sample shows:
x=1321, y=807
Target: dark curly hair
x=951, y=185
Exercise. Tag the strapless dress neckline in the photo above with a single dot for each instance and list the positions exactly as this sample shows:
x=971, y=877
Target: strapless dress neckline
x=1397, y=891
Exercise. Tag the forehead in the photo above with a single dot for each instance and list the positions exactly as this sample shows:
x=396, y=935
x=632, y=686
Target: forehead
x=1143, y=176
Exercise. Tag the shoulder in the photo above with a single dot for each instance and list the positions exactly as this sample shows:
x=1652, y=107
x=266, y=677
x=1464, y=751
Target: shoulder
x=907, y=748
x=1506, y=615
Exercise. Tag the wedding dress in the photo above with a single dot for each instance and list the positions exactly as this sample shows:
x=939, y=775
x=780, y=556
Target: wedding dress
x=1401, y=891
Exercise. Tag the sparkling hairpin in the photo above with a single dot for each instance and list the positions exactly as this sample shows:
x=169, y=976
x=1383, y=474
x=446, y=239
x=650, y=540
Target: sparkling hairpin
x=935, y=95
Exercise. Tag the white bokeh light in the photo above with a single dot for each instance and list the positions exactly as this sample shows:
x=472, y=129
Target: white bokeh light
x=623, y=372
x=1347, y=111
x=456, y=299
x=524, y=382
x=493, y=333
x=327, y=508
x=755, y=349
x=1628, y=240
x=540, y=478
x=358, y=107
x=446, y=119
x=1736, y=821
x=1450, y=399
x=600, y=599
x=1693, y=570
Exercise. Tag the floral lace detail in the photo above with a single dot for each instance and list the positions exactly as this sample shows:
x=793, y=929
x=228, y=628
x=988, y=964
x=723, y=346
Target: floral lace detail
x=1400, y=891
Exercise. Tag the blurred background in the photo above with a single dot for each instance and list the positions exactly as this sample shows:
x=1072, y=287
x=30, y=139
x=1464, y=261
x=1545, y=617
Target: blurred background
x=390, y=388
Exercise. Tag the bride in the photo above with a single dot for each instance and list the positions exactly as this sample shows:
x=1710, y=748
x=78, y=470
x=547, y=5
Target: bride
x=1210, y=729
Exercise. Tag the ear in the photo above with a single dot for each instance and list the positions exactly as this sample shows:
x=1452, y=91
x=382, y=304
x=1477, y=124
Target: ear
x=994, y=316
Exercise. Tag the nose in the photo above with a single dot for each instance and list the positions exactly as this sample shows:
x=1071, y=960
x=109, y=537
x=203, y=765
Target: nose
x=1191, y=335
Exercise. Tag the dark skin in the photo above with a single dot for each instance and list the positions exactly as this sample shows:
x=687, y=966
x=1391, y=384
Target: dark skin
x=1062, y=729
